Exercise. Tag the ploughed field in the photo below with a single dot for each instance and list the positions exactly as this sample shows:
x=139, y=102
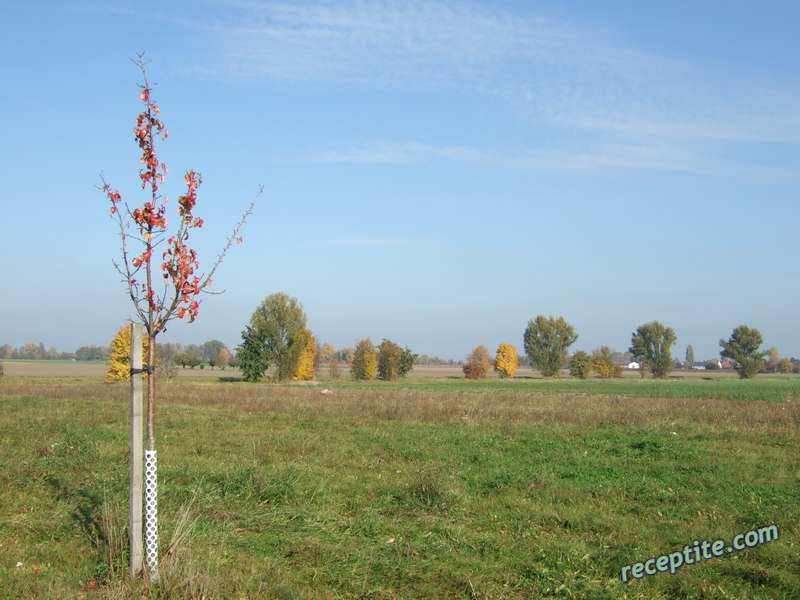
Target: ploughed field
x=432, y=487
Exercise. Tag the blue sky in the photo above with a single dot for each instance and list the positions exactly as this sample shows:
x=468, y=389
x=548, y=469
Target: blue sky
x=437, y=173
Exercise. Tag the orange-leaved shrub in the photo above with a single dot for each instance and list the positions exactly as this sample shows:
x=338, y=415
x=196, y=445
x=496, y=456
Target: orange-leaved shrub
x=603, y=365
x=478, y=363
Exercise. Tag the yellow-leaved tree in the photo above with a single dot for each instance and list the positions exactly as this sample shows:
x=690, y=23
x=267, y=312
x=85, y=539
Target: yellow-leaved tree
x=603, y=363
x=223, y=358
x=506, y=360
x=304, y=371
x=365, y=361
x=119, y=358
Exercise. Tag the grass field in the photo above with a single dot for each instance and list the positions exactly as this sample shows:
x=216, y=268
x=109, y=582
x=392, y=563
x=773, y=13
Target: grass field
x=427, y=488
x=776, y=389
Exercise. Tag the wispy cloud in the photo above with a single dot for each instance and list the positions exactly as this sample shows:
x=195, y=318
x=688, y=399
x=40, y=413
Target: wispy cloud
x=624, y=107
x=370, y=241
x=586, y=158
x=404, y=154
x=381, y=42
x=552, y=72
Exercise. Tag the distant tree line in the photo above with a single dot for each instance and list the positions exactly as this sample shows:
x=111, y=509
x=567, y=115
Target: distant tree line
x=388, y=361
x=424, y=359
x=212, y=353
x=277, y=343
x=277, y=338
x=168, y=356
x=547, y=340
x=31, y=351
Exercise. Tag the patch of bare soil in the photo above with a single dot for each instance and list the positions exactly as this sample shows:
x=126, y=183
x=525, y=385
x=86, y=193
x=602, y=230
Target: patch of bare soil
x=48, y=369
x=79, y=369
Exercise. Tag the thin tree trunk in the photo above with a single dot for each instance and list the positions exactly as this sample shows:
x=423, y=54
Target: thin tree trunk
x=151, y=395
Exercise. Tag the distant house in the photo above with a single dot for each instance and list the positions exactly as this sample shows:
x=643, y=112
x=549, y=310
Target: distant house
x=625, y=364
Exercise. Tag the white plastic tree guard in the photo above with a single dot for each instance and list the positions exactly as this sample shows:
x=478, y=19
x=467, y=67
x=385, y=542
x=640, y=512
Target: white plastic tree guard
x=151, y=512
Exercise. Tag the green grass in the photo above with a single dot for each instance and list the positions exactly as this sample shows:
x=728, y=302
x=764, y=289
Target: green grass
x=777, y=389
x=415, y=490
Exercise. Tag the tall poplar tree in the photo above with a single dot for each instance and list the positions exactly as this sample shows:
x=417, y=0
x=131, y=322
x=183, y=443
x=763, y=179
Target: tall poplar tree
x=689, y=356
x=547, y=342
x=650, y=346
x=744, y=347
x=275, y=336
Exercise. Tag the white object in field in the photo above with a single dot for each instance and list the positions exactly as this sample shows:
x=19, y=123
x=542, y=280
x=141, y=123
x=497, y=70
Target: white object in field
x=151, y=512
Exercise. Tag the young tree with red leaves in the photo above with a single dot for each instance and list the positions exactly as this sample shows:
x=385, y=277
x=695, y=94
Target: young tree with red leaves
x=161, y=273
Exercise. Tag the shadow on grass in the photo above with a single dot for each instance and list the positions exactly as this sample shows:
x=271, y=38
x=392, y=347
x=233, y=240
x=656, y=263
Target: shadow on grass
x=86, y=507
x=228, y=379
